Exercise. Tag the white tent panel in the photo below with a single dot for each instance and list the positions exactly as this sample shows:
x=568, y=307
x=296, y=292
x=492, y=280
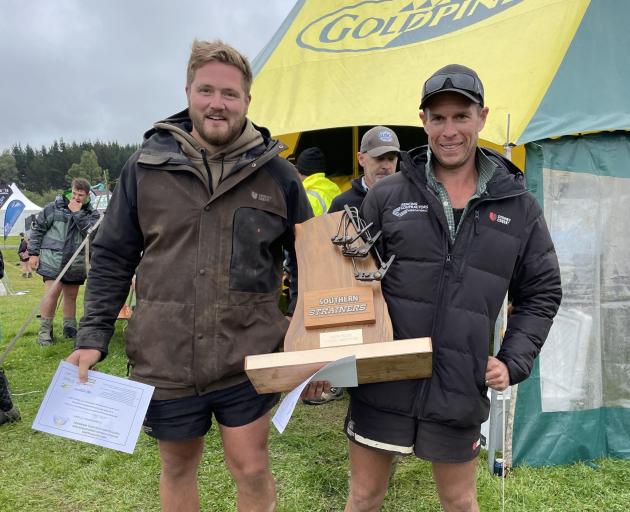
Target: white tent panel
x=30, y=208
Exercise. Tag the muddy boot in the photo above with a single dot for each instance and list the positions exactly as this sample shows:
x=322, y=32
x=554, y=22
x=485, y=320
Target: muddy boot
x=8, y=412
x=45, y=335
x=69, y=328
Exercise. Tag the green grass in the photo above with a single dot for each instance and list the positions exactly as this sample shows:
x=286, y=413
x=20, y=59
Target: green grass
x=40, y=472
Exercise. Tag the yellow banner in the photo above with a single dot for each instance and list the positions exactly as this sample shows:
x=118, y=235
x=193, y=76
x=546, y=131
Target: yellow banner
x=364, y=62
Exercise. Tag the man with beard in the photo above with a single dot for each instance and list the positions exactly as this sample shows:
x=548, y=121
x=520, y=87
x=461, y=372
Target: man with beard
x=465, y=232
x=202, y=214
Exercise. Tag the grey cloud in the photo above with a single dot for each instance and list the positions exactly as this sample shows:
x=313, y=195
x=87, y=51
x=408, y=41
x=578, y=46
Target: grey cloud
x=86, y=69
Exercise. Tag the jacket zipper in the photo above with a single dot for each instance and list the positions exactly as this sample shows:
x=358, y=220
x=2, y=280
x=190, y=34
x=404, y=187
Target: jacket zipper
x=473, y=233
x=204, y=157
x=446, y=267
x=423, y=385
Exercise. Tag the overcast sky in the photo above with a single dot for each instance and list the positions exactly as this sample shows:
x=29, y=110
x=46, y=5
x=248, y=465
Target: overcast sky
x=107, y=69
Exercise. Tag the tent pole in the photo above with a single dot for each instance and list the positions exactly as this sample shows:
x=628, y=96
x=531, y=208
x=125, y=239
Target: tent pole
x=508, y=425
x=504, y=445
x=355, y=150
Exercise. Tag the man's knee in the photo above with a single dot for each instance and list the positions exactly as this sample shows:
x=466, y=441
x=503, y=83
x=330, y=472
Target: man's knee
x=464, y=502
x=70, y=291
x=179, y=461
x=179, y=468
x=364, y=498
x=51, y=290
x=249, y=469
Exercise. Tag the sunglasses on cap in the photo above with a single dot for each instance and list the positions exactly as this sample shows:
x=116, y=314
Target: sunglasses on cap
x=467, y=84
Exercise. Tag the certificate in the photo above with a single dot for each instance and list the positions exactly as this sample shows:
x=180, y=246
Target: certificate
x=106, y=411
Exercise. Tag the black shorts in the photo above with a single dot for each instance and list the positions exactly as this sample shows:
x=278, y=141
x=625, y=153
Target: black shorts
x=63, y=280
x=181, y=419
x=403, y=435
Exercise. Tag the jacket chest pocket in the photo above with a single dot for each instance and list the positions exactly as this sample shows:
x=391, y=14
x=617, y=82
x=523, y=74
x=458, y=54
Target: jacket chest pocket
x=411, y=237
x=256, y=260
x=60, y=218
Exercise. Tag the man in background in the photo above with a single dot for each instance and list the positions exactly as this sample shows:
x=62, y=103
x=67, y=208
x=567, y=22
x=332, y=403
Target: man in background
x=56, y=234
x=378, y=156
x=311, y=164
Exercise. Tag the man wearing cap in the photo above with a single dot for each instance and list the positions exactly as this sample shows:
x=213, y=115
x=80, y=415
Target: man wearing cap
x=378, y=155
x=311, y=164
x=465, y=232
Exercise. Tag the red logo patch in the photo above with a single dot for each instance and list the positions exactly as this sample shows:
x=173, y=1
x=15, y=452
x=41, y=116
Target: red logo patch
x=493, y=216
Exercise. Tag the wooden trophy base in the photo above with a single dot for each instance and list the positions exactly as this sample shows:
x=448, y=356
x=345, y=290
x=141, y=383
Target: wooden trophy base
x=376, y=362
x=337, y=316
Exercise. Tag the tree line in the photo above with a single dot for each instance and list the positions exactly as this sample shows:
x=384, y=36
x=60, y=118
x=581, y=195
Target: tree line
x=43, y=173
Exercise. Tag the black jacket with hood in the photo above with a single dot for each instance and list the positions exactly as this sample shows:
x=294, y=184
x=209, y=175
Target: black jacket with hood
x=354, y=196
x=453, y=292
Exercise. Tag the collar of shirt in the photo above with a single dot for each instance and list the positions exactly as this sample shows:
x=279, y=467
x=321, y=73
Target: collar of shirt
x=485, y=168
x=363, y=184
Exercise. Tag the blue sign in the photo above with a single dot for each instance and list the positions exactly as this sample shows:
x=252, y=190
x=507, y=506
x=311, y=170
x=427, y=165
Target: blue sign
x=11, y=214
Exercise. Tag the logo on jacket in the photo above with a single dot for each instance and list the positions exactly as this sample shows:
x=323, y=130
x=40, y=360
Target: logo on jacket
x=405, y=208
x=370, y=25
x=494, y=217
x=261, y=197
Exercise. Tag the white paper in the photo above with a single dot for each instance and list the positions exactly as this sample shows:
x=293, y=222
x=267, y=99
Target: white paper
x=106, y=411
x=341, y=373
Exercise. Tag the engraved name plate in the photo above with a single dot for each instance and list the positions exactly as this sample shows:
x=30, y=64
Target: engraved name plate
x=341, y=338
x=339, y=306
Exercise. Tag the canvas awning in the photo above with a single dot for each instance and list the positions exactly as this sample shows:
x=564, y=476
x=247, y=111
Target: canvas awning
x=352, y=63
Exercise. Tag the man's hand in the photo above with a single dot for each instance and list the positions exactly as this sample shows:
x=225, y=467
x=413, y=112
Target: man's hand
x=497, y=375
x=33, y=262
x=74, y=205
x=84, y=358
x=315, y=389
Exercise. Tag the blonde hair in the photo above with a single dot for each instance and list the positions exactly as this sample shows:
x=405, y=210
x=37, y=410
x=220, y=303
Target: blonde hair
x=203, y=52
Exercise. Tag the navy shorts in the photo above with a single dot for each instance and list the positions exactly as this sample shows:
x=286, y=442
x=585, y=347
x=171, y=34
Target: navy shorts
x=63, y=280
x=186, y=418
x=403, y=435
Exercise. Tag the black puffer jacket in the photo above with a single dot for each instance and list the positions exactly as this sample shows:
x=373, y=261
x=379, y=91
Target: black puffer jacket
x=453, y=292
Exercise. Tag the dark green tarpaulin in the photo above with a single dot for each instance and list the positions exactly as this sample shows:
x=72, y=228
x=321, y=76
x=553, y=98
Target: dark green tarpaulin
x=584, y=186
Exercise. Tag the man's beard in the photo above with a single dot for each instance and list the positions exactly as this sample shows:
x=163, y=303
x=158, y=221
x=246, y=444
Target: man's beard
x=219, y=139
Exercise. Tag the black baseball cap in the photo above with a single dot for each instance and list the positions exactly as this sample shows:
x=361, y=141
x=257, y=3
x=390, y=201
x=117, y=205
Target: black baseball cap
x=453, y=78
